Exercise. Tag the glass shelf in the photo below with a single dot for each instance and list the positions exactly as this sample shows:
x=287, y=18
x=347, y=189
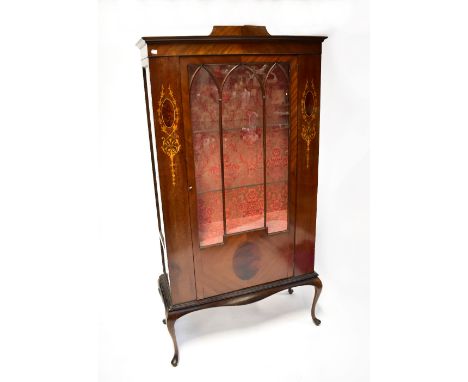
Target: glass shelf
x=246, y=185
x=216, y=130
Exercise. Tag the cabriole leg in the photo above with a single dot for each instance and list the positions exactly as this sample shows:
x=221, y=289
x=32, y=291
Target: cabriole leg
x=170, y=321
x=318, y=289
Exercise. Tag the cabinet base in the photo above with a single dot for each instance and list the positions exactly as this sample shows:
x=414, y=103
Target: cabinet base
x=239, y=297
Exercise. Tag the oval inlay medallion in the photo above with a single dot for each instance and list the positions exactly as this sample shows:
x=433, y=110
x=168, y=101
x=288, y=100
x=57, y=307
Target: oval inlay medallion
x=246, y=261
x=168, y=113
x=309, y=103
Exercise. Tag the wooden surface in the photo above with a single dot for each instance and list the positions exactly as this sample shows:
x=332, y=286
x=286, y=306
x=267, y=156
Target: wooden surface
x=243, y=40
x=307, y=178
x=241, y=30
x=196, y=273
x=165, y=72
x=231, y=39
x=230, y=45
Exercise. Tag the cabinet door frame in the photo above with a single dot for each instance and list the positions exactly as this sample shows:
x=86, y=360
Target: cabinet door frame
x=209, y=283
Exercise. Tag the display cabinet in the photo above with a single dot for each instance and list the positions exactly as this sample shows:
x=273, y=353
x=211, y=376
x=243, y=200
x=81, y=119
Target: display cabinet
x=233, y=125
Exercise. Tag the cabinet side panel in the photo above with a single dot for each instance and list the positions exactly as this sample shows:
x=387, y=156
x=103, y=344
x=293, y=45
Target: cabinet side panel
x=154, y=165
x=307, y=162
x=170, y=146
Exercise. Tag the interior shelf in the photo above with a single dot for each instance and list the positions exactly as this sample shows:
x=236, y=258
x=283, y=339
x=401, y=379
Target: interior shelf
x=244, y=186
x=216, y=130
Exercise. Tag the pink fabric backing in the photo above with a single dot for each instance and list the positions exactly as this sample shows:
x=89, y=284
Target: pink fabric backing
x=242, y=134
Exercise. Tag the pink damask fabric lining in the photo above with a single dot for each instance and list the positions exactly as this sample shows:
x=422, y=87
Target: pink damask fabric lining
x=242, y=139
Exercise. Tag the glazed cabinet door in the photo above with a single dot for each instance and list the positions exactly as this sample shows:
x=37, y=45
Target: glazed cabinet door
x=240, y=120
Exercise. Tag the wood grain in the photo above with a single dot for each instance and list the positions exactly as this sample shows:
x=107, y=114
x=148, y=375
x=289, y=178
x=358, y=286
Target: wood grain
x=165, y=72
x=197, y=273
x=239, y=30
x=307, y=177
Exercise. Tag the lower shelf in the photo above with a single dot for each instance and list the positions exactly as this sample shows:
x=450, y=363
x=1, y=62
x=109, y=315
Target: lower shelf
x=239, y=297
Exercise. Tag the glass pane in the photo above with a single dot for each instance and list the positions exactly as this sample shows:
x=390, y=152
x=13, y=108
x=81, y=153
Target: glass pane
x=206, y=147
x=243, y=147
x=277, y=147
x=243, y=151
x=210, y=218
x=261, y=70
x=244, y=208
x=219, y=72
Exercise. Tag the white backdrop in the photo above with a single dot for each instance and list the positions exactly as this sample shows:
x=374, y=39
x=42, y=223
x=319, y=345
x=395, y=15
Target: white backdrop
x=49, y=181
x=274, y=339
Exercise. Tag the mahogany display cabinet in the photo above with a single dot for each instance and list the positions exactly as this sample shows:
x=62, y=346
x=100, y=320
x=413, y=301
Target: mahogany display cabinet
x=233, y=125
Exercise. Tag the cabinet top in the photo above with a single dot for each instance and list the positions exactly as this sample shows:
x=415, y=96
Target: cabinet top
x=231, y=33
